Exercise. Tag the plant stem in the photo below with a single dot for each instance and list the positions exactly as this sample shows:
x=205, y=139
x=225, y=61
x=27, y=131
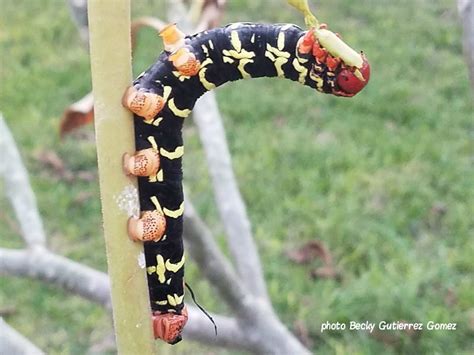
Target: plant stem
x=110, y=50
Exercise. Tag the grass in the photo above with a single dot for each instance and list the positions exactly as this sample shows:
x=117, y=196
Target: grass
x=385, y=180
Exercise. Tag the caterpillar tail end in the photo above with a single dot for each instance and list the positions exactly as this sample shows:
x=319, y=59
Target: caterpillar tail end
x=168, y=326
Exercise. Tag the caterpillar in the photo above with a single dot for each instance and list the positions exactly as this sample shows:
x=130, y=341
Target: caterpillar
x=164, y=95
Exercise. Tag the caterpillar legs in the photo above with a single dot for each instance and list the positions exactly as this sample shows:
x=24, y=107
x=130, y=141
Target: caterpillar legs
x=143, y=104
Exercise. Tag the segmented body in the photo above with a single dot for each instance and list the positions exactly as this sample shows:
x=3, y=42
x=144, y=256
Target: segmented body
x=237, y=51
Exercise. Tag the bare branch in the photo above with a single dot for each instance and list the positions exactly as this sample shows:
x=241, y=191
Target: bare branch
x=40, y=264
x=229, y=334
x=202, y=247
x=209, y=14
x=78, y=9
x=43, y=265
x=263, y=331
x=145, y=21
x=232, y=210
x=18, y=189
x=177, y=13
x=12, y=342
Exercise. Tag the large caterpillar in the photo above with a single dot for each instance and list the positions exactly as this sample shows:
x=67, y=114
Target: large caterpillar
x=165, y=94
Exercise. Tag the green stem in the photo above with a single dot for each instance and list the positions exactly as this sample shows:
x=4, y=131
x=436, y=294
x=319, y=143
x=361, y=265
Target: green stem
x=110, y=51
x=303, y=6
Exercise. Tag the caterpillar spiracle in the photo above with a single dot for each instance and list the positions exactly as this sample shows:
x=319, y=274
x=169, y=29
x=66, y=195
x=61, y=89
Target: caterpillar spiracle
x=163, y=95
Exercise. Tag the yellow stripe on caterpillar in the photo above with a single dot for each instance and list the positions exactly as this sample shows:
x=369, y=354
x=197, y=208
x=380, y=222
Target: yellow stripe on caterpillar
x=180, y=76
x=176, y=213
x=157, y=121
x=277, y=52
x=152, y=141
x=278, y=58
x=159, y=269
x=183, y=113
x=157, y=177
x=202, y=78
x=175, y=300
x=235, y=41
x=281, y=41
x=177, y=153
x=240, y=67
x=162, y=266
x=166, y=92
x=238, y=55
x=174, y=267
x=202, y=75
x=155, y=201
x=303, y=72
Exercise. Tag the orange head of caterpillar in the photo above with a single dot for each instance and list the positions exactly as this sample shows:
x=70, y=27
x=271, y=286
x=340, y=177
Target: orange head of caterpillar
x=351, y=68
x=349, y=81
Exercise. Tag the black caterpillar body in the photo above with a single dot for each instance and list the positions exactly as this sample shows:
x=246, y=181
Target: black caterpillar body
x=241, y=50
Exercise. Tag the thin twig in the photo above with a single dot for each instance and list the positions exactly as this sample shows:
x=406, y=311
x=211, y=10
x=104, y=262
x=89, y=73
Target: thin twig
x=41, y=264
x=229, y=201
x=202, y=247
x=18, y=189
x=229, y=333
x=12, y=342
x=93, y=285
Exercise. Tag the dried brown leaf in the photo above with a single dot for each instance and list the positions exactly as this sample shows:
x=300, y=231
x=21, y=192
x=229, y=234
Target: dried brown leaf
x=310, y=251
x=50, y=160
x=211, y=14
x=315, y=250
x=326, y=272
x=55, y=168
x=77, y=115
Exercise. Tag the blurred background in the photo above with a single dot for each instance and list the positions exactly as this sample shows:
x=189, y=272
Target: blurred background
x=384, y=180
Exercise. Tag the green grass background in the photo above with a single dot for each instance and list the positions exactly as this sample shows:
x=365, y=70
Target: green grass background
x=385, y=180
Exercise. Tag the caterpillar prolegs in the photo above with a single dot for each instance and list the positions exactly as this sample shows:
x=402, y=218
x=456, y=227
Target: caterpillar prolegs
x=162, y=96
